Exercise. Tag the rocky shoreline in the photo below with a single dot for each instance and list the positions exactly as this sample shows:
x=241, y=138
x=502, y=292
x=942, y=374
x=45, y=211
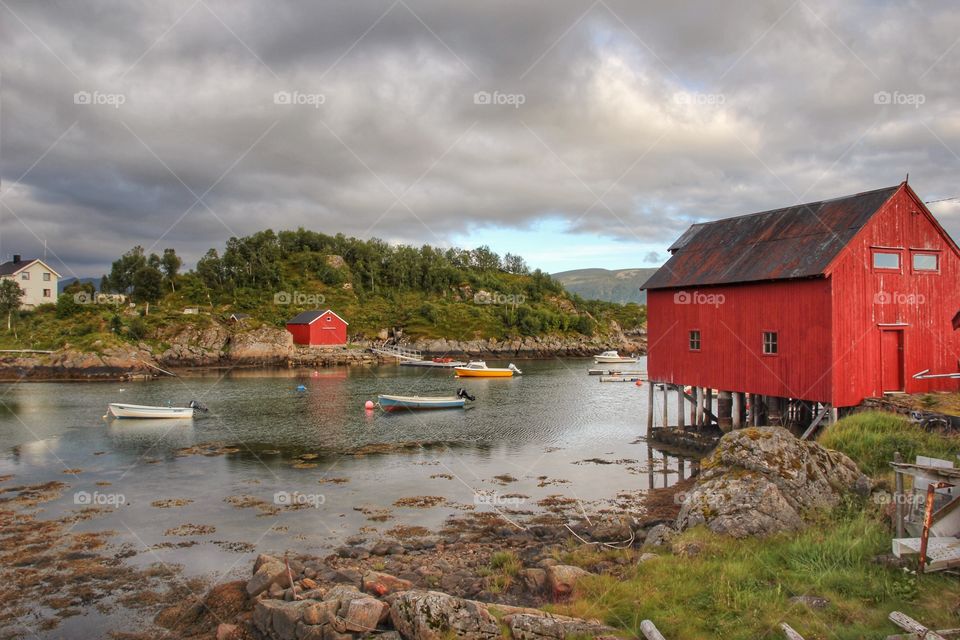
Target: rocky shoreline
x=221, y=346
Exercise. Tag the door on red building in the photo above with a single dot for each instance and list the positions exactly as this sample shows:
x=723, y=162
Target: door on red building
x=891, y=359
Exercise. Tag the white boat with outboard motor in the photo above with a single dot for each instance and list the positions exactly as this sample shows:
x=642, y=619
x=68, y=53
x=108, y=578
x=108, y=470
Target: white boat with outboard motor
x=122, y=410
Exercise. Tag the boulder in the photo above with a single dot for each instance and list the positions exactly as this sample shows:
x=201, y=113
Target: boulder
x=268, y=573
x=525, y=626
x=277, y=619
x=760, y=481
x=562, y=578
x=534, y=579
x=660, y=535
x=381, y=584
x=364, y=614
x=431, y=615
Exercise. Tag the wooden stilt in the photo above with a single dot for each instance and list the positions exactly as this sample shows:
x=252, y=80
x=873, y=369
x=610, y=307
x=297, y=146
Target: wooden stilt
x=736, y=410
x=649, y=406
x=699, y=421
x=666, y=404
x=681, y=409
x=707, y=405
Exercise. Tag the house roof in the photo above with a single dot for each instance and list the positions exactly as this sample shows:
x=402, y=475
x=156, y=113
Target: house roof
x=309, y=317
x=10, y=267
x=793, y=242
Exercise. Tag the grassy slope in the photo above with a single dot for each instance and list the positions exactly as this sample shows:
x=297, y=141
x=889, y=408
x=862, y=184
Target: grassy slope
x=741, y=589
x=419, y=314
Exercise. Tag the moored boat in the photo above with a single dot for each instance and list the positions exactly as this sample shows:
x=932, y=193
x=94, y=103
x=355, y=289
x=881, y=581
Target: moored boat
x=120, y=410
x=479, y=369
x=397, y=403
x=612, y=357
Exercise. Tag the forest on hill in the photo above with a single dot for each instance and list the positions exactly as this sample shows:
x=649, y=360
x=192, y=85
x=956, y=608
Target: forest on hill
x=427, y=292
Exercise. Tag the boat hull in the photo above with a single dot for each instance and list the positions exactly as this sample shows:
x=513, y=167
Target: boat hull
x=118, y=410
x=464, y=372
x=612, y=359
x=416, y=403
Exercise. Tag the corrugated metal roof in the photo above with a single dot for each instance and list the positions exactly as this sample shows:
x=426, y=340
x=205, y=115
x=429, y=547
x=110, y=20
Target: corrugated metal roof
x=793, y=242
x=308, y=317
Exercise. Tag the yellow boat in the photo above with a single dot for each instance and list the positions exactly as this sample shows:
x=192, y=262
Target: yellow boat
x=479, y=369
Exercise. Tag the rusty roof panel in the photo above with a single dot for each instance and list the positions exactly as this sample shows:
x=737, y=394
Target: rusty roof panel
x=793, y=242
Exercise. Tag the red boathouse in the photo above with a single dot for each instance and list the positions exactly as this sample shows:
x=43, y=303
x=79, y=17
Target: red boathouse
x=318, y=328
x=808, y=308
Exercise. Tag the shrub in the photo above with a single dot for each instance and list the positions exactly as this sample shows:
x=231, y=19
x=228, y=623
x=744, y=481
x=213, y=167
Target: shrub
x=872, y=437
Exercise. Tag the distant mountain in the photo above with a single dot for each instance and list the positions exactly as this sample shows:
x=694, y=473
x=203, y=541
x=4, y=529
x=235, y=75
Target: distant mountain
x=622, y=285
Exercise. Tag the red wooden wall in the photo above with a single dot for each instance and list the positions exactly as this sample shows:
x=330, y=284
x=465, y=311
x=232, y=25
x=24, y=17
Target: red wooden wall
x=328, y=329
x=731, y=356
x=869, y=303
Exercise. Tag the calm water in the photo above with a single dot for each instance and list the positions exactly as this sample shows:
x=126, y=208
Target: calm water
x=540, y=424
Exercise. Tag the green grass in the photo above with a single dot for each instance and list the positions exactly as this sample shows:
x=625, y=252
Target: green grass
x=741, y=589
x=871, y=438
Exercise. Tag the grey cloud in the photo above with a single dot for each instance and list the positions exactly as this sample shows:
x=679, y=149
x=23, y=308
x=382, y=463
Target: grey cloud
x=637, y=118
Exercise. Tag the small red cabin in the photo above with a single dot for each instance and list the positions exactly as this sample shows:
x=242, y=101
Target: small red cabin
x=828, y=302
x=318, y=328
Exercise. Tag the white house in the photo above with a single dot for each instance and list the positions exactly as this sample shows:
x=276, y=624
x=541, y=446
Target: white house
x=37, y=279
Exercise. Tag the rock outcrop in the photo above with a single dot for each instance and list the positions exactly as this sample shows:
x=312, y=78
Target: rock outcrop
x=761, y=481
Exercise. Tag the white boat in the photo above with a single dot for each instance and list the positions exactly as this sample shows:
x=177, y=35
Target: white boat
x=394, y=403
x=611, y=357
x=118, y=410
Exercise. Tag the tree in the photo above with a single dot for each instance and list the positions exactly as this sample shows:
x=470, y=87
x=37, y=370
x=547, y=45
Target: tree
x=78, y=286
x=122, y=271
x=11, y=296
x=515, y=264
x=170, y=264
x=147, y=284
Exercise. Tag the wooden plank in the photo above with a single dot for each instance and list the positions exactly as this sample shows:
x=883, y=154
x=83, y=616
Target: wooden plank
x=946, y=633
x=650, y=631
x=813, y=425
x=907, y=623
x=789, y=632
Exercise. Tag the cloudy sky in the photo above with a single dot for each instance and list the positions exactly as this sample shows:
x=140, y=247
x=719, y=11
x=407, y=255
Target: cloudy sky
x=577, y=133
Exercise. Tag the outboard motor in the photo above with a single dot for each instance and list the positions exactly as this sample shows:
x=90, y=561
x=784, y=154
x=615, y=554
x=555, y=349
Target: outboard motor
x=513, y=368
x=196, y=406
x=462, y=393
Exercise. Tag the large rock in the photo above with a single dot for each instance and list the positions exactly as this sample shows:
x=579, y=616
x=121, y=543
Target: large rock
x=381, y=584
x=760, y=481
x=525, y=626
x=269, y=571
x=278, y=619
x=431, y=615
x=562, y=579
